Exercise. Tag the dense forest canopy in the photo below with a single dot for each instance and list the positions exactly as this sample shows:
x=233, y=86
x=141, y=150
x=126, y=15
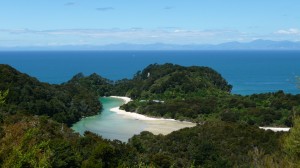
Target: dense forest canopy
x=64, y=103
x=34, y=120
x=170, y=81
x=224, y=145
x=94, y=83
x=200, y=94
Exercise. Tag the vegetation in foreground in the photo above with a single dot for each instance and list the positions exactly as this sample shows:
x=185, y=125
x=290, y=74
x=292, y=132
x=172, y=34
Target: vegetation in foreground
x=41, y=142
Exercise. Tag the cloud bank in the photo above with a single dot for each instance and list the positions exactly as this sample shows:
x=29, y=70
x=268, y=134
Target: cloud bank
x=171, y=35
x=291, y=31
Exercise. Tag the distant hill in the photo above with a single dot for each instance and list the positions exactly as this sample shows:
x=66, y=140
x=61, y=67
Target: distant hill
x=259, y=45
x=253, y=45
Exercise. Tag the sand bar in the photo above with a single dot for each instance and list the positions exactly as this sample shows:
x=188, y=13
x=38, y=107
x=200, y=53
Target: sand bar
x=154, y=125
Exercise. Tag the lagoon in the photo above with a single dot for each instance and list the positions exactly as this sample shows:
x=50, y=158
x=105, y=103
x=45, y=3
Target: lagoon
x=113, y=123
x=108, y=124
x=248, y=71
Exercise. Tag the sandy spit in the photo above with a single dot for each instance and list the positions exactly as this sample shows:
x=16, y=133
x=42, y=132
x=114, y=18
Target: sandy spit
x=154, y=125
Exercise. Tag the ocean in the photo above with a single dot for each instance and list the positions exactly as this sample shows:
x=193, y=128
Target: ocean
x=248, y=71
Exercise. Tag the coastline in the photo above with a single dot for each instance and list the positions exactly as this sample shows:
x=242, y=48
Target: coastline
x=155, y=125
x=166, y=126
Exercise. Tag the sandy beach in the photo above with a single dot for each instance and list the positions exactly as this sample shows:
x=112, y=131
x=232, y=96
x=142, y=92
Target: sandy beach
x=166, y=126
x=155, y=125
x=276, y=129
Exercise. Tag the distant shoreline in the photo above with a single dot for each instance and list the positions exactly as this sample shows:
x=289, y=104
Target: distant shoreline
x=155, y=125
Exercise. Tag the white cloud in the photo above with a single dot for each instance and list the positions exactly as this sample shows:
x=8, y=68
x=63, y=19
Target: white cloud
x=165, y=35
x=171, y=35
x=291, y=31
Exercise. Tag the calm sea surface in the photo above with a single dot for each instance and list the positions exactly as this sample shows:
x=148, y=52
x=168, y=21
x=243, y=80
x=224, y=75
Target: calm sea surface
x=248, y=71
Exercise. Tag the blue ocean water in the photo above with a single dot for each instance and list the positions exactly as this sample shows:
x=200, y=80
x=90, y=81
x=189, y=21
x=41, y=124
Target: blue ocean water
x=248, y=71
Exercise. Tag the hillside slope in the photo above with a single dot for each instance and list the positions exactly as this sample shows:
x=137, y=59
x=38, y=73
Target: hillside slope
x=64, y=103
x=169, y=81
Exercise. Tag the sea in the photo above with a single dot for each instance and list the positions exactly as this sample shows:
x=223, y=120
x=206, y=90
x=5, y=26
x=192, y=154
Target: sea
x=248, y=71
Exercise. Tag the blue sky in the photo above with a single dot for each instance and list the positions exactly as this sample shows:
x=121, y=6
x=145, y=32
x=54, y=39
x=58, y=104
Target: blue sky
x=100, y=22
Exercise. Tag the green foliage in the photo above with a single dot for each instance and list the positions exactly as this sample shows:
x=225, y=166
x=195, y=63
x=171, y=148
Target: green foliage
x=65, y=103
x=268, y=109
x=292, y=141
x=40, y=142
x=3, y=95
x=64, y=154
x=94, y=83
x=24, y=147
x=214, y=144
x=30, y=135
x=200, y=94
x=170, y=81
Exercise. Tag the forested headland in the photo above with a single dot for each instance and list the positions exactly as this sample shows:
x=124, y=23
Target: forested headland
x=35, y=119
x=200, y=94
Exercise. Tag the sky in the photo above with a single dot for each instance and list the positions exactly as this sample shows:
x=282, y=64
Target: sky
x=102, y=22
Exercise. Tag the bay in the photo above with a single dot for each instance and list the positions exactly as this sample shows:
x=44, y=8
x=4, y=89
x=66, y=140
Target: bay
x=248, y=71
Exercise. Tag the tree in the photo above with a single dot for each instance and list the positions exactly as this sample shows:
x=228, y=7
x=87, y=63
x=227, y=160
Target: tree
x=3, y=95
x=292, y=141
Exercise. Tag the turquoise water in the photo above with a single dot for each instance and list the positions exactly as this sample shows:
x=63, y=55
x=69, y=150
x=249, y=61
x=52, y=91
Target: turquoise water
x=109, y=124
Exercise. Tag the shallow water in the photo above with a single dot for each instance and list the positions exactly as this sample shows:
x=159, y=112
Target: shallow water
x=109, y=124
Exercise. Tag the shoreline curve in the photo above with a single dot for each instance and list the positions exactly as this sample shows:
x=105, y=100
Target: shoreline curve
x=155, y=125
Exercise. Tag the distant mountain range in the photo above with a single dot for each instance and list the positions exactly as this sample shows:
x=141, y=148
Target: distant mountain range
x=254, y=45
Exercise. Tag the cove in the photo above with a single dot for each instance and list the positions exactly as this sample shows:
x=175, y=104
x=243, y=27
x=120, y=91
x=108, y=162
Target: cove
x=110, y=125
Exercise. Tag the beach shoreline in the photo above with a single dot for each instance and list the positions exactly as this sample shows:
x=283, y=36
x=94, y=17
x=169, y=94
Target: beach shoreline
x=276, y=129
x=155, y=125
x=166, y=126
